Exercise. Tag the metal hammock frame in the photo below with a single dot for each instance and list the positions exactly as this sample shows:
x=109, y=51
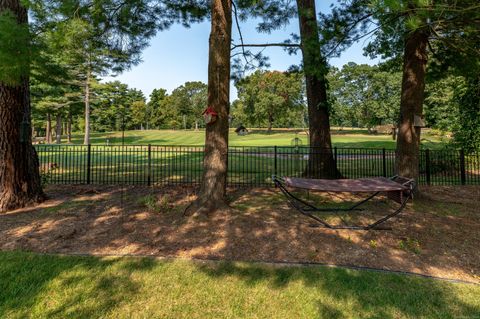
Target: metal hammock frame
x=400, y=196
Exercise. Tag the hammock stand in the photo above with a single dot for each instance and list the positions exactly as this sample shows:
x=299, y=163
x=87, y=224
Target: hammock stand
x=396, y=188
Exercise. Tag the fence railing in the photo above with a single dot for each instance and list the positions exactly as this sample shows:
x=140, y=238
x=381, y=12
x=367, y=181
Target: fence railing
x=247, y=166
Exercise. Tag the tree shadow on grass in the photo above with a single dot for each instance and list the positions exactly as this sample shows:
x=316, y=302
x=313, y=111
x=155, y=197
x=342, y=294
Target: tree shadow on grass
x=78, y=287
x=345, y=293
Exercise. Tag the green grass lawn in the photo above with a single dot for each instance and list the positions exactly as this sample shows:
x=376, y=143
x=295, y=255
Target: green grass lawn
x=348, y=138
x=34, y=286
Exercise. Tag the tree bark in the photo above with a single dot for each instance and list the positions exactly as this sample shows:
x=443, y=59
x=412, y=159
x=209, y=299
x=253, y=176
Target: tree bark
x=321, y=163
x=213, y=188
x=19, y=169
x=270, y=124
x=411, y=104
x=58, y=129
x=48, y=133
x=86, y=139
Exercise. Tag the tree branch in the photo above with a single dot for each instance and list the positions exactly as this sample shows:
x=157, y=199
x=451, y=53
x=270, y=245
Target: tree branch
x=262, y=45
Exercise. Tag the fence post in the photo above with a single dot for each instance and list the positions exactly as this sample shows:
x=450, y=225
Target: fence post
x=275, y=161
x=89, y=162
x=384, y=163
x=149, y=176
x=335, y=154
x=463, y=175
x=427, y=166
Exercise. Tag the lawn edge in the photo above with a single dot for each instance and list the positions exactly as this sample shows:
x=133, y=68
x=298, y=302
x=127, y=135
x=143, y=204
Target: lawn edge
x=261, y=263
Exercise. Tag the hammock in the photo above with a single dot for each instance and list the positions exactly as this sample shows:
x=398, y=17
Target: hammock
x=398, y=189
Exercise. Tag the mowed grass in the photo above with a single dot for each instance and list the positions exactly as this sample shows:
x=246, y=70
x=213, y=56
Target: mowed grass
x=38, y=286
x=344, y=138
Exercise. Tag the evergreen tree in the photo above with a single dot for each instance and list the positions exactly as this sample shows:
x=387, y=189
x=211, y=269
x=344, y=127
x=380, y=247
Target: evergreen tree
x=214, y=182
x=19, y=169
x=414, y=32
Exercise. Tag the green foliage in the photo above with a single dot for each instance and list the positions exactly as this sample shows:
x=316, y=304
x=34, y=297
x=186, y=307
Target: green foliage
x=182, y=109
x=364, y=96
x=467, y=129
x=15, y=50
x=46, y=176
x=440, y=107
x=189, y=101
x=452, y=26
x=157, y=106
x=140, y=115
x=154, y=205
x=270, y=99
x=117, y=107
x=411, y=245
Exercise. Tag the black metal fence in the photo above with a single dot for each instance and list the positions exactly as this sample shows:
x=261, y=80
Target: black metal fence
x=247, y=166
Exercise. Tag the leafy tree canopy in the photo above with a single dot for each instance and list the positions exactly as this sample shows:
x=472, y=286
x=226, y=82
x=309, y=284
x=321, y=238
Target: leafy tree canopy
x=271, y=98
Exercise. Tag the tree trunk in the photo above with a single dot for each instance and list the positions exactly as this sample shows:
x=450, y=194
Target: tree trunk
x=19, y=169
x=411, y=104
x=214, y=182
x=321, y=163
x=86, y=139
x=69, y=128
x=58, y=129
x=48, y=133
x=270, y=124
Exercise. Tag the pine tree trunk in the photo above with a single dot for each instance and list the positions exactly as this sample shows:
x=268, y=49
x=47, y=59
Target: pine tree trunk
x=58, y=129
x=48, y=137
x=411, y=104
x=19, y=169
x=86, y=139
x=214, y=182
x=321, y=163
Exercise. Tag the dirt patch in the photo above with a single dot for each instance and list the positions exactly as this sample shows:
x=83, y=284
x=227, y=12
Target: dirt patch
x=436, y=235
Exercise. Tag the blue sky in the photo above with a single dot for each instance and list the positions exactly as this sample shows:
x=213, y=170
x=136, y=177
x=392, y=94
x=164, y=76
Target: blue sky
x=178, y=55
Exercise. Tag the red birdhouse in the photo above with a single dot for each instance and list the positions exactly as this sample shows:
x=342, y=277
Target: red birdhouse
x=210, y=115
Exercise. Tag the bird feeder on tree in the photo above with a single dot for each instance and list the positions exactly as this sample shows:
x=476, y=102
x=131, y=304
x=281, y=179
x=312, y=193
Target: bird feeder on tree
x=210, y=115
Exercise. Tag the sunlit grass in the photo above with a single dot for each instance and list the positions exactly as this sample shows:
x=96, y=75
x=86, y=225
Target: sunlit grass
x=358, y=138
x=34, y=286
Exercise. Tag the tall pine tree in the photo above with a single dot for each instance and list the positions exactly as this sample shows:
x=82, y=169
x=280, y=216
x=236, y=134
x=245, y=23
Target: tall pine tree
x=19, y=174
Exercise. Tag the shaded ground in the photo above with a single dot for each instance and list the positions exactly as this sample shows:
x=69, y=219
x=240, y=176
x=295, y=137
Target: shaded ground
x=437, y=235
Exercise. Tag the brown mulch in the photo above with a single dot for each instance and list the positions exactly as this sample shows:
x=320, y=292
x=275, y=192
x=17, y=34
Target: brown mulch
x=438, y=235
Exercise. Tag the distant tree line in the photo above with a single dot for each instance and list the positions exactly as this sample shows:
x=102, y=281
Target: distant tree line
x=360, y=95
x=114, y=106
